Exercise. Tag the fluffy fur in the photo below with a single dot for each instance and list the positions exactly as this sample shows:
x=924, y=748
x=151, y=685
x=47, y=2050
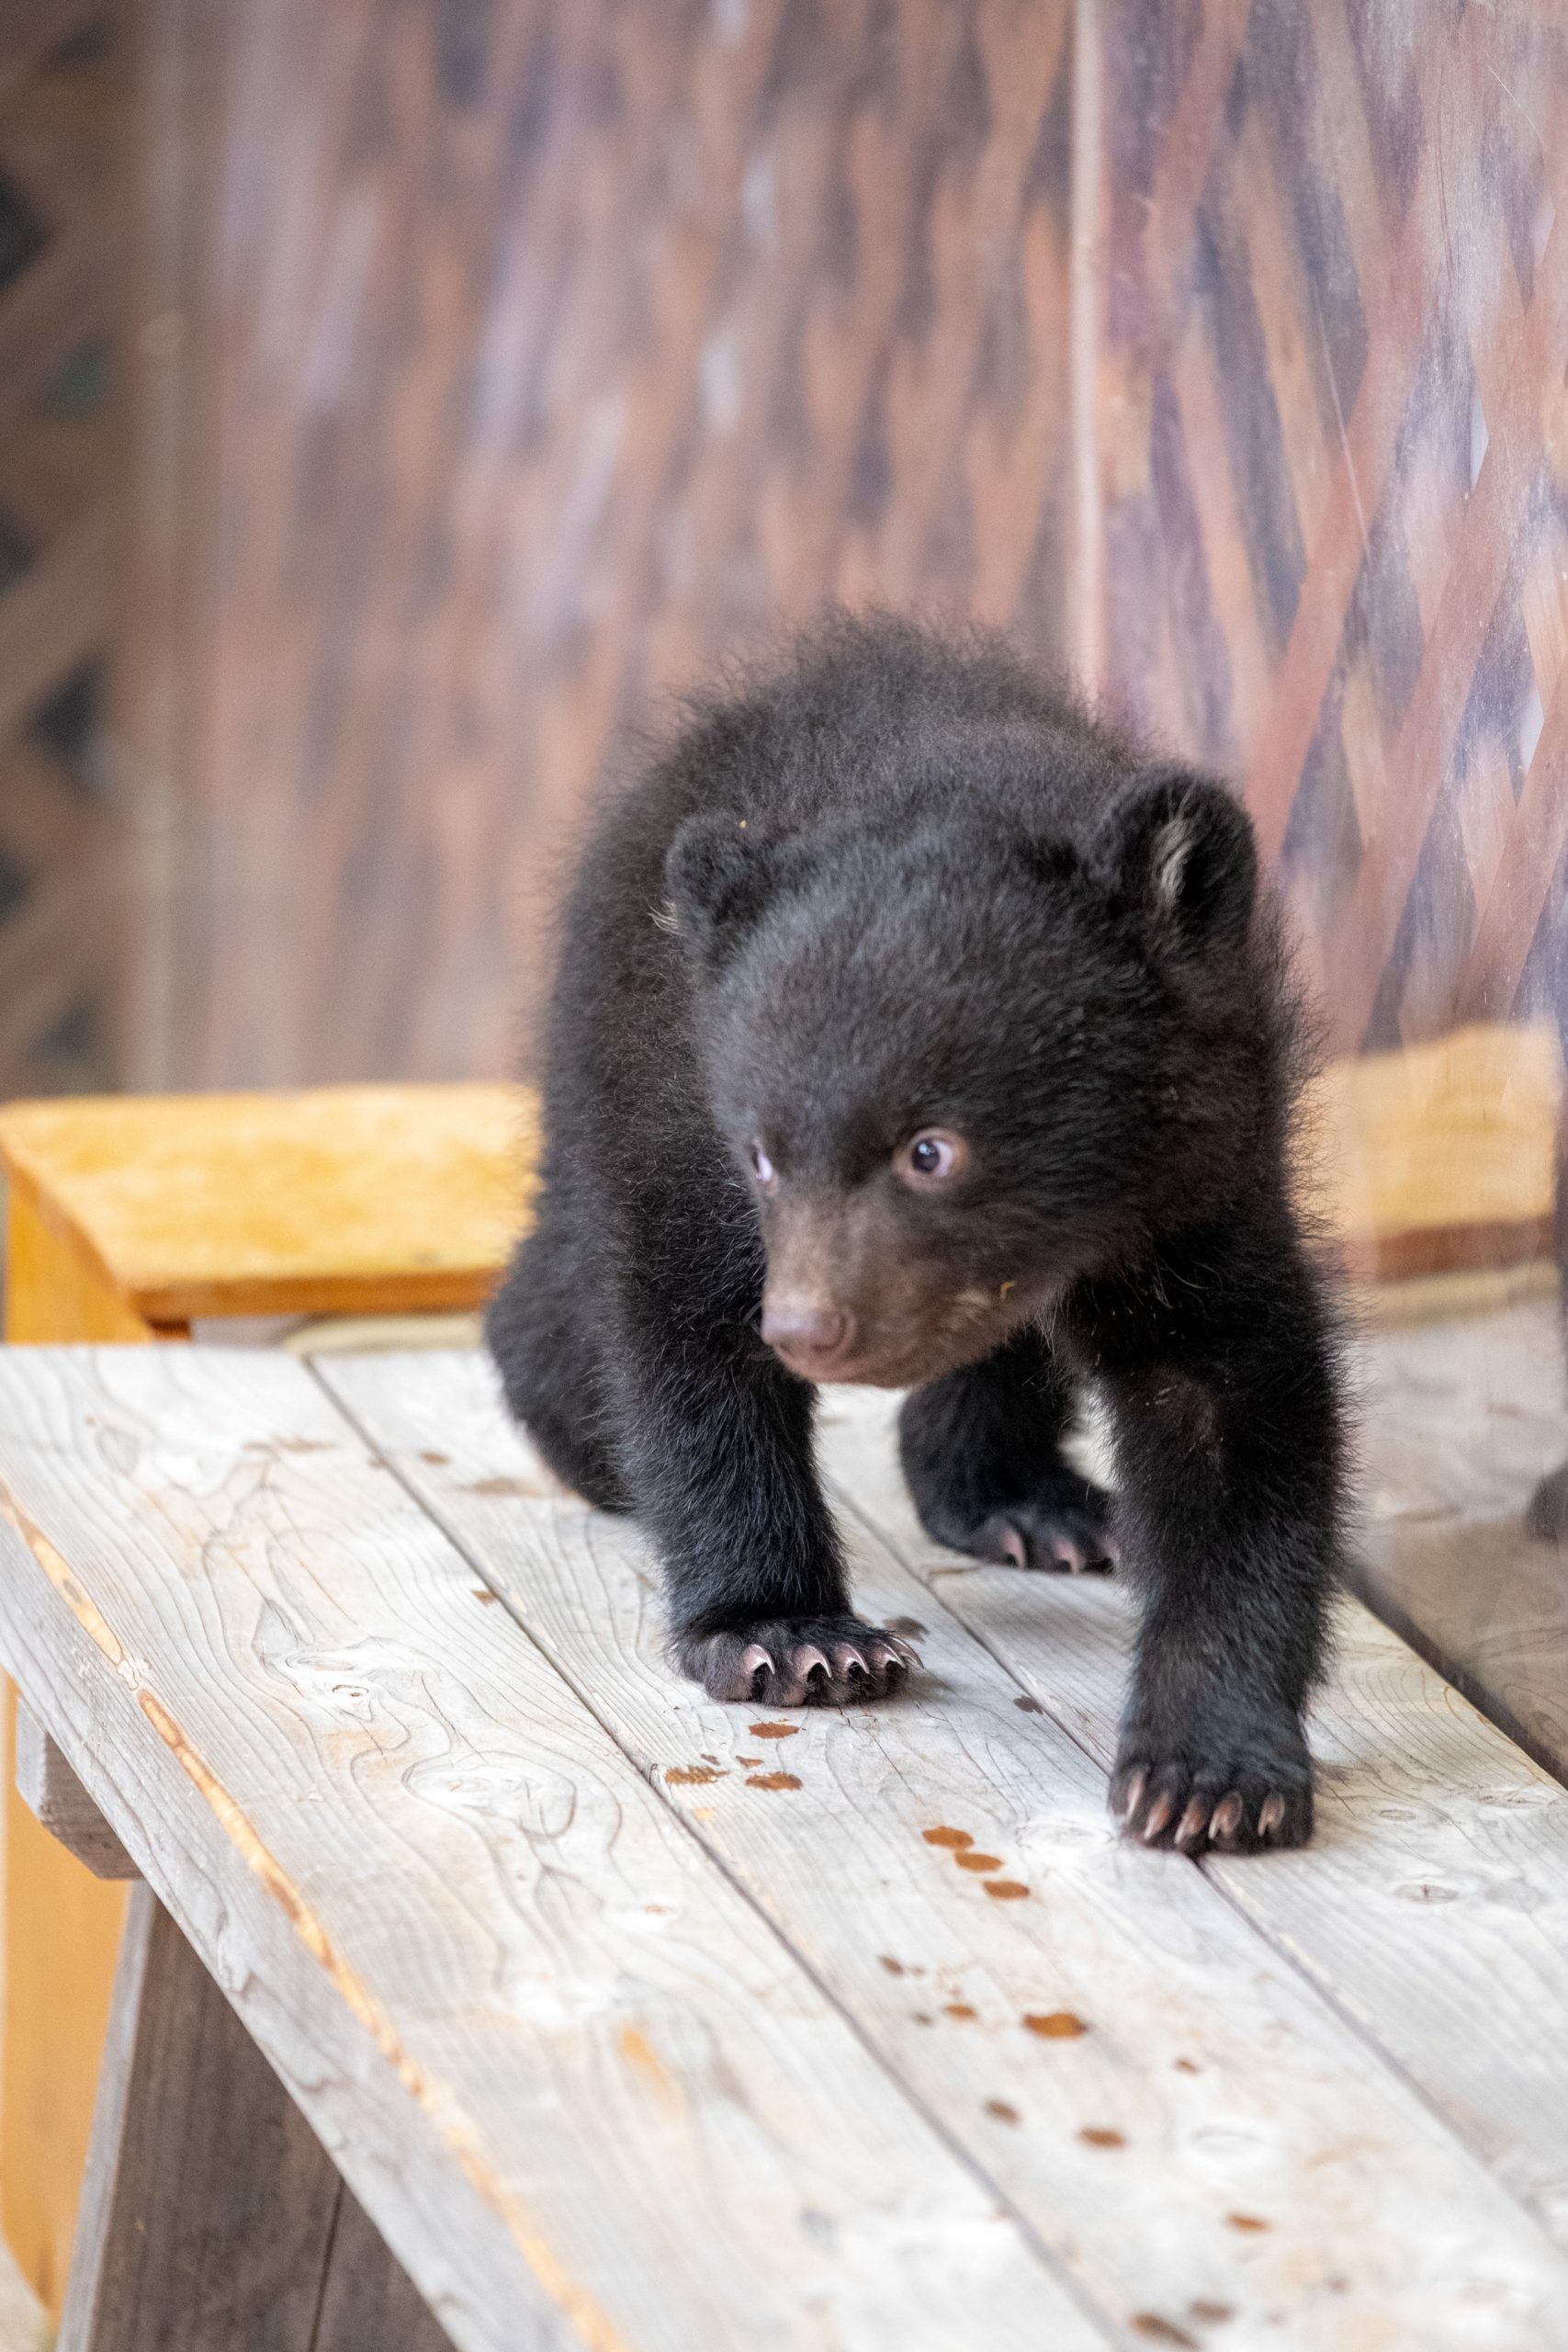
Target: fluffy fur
x=900, y=885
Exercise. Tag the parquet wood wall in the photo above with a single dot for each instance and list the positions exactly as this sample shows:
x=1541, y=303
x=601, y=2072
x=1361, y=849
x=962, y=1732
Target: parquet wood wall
x=60, y=109
x=1333, y=452
x=529, y=355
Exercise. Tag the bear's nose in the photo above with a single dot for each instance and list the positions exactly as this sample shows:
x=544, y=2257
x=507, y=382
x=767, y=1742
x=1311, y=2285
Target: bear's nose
x=810, y=1337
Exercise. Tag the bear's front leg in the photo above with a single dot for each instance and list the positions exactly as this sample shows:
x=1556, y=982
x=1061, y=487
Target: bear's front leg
x=1229, y=1447
x=717, y=1441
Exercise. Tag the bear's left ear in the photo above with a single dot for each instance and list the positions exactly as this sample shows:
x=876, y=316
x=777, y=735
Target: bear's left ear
x=1179, y=850
x=718, y=881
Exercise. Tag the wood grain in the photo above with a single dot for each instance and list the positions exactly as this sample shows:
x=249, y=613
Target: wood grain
x=342, y=1200
x=210, y=2207
x=59, y=1803
x=1432, y=1907
x=62, y=1926
x=1120, y=2047
x=581, y=2088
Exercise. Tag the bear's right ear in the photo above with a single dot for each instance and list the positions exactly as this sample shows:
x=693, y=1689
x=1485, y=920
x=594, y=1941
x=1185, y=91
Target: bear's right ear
x=718, y=881
x=1178, y=850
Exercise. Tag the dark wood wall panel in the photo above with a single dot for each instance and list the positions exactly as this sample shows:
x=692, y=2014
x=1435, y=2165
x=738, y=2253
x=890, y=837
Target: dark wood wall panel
x=61, y=122
x=1332, y=455
x=553, y=348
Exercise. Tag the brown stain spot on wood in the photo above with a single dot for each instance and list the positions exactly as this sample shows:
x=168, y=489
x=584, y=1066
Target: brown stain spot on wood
x=484, y=1596
x=960, y=2010
x=774, y=1780
x=1250, y=2223
x=517, y=1487
x=1003, y=2110
x=1214, y=2314
x=639, y=2054
x=772, y=1731
x=1159, y=2331
x=1027, y=1706
x=894, y=1967
x=924, y=2017
x=952, y=1839
x=304, y=1445
x=1100, y=2135
x=750, y=1763
x=1185, y=2066
x=1054, y=2025
x=690, y=1776
x=978, y=1861
x=436, y=1461
x=909, y=1627
x=1005, y=1890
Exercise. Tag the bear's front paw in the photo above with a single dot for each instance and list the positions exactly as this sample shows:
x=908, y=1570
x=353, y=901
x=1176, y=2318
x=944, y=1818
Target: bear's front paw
x=797, y=1662
x=1237, y=1787
x=1066, y=1525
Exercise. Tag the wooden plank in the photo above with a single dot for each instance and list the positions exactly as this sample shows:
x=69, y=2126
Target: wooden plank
x=579, y=2087
x=342, y=1200
x=62, y=1926
x=1432, y=1906
x=1132, y=2064
x=59, y=1803
x=367, y=2300
x=211, y=2214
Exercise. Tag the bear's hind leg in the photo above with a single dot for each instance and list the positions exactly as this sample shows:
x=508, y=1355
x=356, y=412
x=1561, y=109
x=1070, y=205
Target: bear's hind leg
x=982, y=1454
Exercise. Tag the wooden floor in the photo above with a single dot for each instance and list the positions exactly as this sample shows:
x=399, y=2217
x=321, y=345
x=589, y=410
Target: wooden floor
x=827, y=2027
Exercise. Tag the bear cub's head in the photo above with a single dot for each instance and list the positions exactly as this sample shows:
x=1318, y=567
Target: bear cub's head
x=960, y=1068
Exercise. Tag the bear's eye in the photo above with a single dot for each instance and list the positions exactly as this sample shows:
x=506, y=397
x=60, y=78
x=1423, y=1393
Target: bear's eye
x=762, y=1166
x=931, y=1157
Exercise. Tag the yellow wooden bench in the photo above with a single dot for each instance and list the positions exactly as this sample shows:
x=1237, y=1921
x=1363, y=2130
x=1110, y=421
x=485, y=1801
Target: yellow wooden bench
x=133, y=1218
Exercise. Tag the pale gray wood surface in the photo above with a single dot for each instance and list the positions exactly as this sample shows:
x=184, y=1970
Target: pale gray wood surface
x=211, y=2217
x=54, y=1794
x=1432, y=1906
x=1186, y=2120
x=584, y=2090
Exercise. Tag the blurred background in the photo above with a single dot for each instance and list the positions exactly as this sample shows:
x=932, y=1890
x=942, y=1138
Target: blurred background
x=399, y=395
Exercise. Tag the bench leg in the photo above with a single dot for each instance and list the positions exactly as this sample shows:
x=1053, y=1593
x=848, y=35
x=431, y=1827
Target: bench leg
x=211, y=2217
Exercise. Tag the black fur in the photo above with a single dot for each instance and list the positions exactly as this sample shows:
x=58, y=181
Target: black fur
x=900, y=885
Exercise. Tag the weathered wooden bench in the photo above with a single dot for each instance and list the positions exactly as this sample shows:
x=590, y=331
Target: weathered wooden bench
x=473, y=1951
x=131, y=1219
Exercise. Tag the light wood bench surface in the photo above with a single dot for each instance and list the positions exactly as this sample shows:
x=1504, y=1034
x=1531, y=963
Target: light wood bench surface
x=633, y=2020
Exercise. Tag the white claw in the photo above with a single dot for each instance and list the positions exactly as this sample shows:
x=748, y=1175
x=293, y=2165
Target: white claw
x=849, y=1659
x=752, y=1656
x=809, y=1660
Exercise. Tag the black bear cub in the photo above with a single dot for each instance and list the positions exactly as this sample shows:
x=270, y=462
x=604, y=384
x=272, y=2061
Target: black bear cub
x=910, y=1028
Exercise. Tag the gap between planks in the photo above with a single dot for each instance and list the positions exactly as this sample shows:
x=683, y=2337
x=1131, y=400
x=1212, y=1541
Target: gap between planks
x=571, y=1577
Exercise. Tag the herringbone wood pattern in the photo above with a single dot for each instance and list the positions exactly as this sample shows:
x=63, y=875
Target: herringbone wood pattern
x=1334, y=434
x=57, y=139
